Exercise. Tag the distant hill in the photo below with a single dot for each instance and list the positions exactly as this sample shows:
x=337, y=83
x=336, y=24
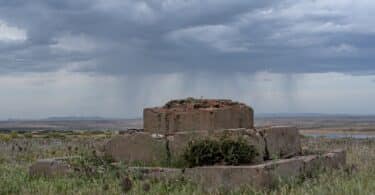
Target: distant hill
x=74, y=118
x=70, y=123
x=299, y=115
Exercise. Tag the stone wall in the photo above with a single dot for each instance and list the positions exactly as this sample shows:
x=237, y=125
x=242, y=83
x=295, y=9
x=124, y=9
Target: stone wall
x=218, y=179
x=214, y=179
x=137, y=147
x=197, y=114
x=151, y=148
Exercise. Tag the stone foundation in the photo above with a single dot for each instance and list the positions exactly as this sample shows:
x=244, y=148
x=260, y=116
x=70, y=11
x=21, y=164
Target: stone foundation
x=215, y=178
x=225, y=178
x=156, y=173
x=150, y=148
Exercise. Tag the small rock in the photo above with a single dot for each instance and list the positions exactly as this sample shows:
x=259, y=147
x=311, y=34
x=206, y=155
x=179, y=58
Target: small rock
x=50, y=168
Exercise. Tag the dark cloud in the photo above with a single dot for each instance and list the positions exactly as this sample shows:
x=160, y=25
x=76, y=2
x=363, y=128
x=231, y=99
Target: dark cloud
x=146, y=37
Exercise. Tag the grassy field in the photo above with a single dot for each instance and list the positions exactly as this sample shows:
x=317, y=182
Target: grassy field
x=18, y=151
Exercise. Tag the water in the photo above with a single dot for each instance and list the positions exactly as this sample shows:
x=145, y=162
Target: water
x=340, y=135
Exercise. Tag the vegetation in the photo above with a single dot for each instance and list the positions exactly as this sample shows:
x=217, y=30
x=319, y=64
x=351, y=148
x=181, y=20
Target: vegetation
x=237, y=152
x=224, y=151
x=203, y=152
x=91, y=165
x=16, y=154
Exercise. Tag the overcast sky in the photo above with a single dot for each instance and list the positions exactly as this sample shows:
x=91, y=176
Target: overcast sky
x=111, y=58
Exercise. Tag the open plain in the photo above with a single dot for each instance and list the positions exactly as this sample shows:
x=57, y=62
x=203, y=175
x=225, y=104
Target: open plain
x=19, y=149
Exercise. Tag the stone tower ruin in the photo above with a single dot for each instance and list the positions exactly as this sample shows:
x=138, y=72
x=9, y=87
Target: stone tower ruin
x=169, y=130
x=196, y=115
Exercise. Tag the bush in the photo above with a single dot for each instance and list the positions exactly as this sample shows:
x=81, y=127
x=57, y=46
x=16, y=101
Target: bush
x=28, y=135
x=91, y=165
x=55, y=135
x=5, y=137
x=237, y=152
x=224, y=151
x=203, y=152
x=14, y=135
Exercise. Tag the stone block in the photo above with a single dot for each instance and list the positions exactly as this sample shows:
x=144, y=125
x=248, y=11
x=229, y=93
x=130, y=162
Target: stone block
x=196, y=115
x=218, y=179
x=334, y=160
x=281, y=141
x=154, y=120
x=156, y=173
x=283, y=169
x=140, y=147
x=268, y=174
x=50, y=168
x=179, y=141
x=312, y=164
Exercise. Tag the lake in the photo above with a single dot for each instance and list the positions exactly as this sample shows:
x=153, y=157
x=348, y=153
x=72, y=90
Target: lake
x=339, y=135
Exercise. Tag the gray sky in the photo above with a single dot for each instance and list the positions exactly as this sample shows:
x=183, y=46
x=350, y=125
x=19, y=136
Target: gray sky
x=111, y=58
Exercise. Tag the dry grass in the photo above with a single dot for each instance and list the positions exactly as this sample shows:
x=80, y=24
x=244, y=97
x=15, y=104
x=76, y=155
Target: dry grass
x=18, y=152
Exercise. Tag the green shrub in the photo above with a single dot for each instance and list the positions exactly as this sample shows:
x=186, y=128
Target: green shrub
x=55, y=135
x=237, y=152
x=108, y=134
x=5, y=137
x=203, y=152
x=91, y=165
x=224, y=151
x=14, y=135
x=28, y=135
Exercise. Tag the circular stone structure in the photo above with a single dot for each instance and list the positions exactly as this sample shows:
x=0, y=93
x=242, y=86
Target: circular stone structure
x=197, y=114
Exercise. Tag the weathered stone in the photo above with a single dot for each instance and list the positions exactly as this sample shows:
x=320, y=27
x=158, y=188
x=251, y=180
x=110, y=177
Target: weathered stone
x=179, y=141
x=50, y=167
x=283, y=169
x=218, y=178
x=196, y=115
x=139, y=147
x=156, y=173
x=281, y=141
x=215, y=178
x=312, y=164
x=270, y=143
x=335, y=159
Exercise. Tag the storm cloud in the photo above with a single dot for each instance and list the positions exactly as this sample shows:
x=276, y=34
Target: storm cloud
x=183, y=47
x=145, y=37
